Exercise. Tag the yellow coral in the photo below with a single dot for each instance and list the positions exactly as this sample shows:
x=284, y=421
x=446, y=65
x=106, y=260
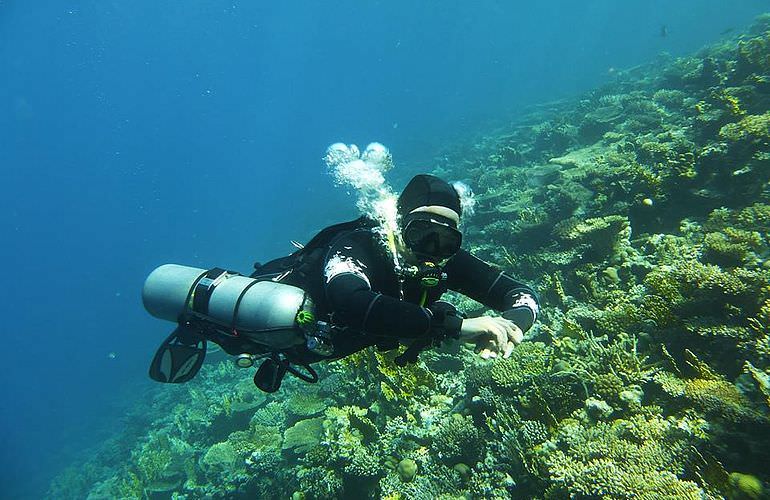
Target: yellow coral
x=728, y=97
x=752, y=127
x=402, y=381
x=746, y=486
x=719, y=397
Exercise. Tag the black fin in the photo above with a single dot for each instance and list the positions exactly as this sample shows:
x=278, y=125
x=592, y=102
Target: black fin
x=179, y=357
x=269, y=375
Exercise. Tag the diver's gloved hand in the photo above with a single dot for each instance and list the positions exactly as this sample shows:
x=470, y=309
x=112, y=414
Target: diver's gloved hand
x=445, y=322
x=493, y=336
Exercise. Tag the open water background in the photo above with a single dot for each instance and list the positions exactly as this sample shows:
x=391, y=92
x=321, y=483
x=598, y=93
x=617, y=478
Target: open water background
x=138, y=133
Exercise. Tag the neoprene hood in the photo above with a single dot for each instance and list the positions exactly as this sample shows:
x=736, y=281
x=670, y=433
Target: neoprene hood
x=426, y=190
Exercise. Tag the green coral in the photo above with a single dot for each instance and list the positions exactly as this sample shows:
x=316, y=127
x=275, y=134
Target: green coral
x=303, y=435
x=737, y=237
x=719, y=398
x=432, y=480
x=526, y=361
x=753, y=128
x=305, y=404
x=643, y=457
x=458, y=440
x=320, y=482
x=407, y=469
x=746, y=486
x=402, y=382
x=608, y=386
x=761, y=378
x=732, y=247
x=695, y=284
x=263, y=436
x=271, y=414
x=364, y=464
x=753, y=55
x=220, y=456
x=600, y=236
x=709, y=392
x=154, y=458
x=532, y=433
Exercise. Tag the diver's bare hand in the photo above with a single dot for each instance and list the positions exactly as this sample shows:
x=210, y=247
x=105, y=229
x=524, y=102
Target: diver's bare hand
x=493, y=336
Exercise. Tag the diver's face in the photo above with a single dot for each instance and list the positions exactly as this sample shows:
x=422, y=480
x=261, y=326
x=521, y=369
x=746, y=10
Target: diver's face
x=431, y=235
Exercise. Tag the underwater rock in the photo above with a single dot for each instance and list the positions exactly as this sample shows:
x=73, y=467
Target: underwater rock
x=543, y=175
x=606, y=114
x=163, y=487
x=598, y=409
x=632, y=396
x=580, y=158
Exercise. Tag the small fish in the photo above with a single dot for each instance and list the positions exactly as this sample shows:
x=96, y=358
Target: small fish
x=112, y=355
x=664, y=31
x=395, y=125
x=727, y=31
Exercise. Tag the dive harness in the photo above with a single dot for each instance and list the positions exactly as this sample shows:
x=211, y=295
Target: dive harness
x=430, y=275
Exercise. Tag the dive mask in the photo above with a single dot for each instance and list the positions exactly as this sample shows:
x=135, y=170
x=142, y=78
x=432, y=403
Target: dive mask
x=431, y=236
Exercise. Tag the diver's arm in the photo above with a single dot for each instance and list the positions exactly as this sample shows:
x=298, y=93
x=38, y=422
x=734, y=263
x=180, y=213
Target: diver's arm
x=489, y=285
x=356, y=305
x=354, y=302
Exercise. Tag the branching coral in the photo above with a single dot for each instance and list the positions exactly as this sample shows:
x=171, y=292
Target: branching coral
x=643, y=457
x=708, y=392
x=692, y=285
x=527, y=360
x=458, y=440
x=753, y=128
x=402, y=382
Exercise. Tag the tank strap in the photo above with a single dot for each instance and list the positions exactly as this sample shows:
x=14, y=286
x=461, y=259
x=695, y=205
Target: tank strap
x=237, y=307
x=204, y=287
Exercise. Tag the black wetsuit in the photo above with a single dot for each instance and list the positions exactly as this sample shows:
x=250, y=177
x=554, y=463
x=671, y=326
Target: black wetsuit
x=359, y=290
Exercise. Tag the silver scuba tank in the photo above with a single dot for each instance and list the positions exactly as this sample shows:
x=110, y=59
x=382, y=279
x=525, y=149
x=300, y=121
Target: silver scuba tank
x=266, y=312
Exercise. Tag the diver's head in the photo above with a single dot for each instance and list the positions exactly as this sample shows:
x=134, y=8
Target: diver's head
x=429, y=212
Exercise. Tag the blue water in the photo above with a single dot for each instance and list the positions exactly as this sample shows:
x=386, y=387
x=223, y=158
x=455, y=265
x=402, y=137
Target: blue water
x=139, y=133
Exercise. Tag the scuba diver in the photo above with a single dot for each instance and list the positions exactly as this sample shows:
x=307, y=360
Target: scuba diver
x=353, y=286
